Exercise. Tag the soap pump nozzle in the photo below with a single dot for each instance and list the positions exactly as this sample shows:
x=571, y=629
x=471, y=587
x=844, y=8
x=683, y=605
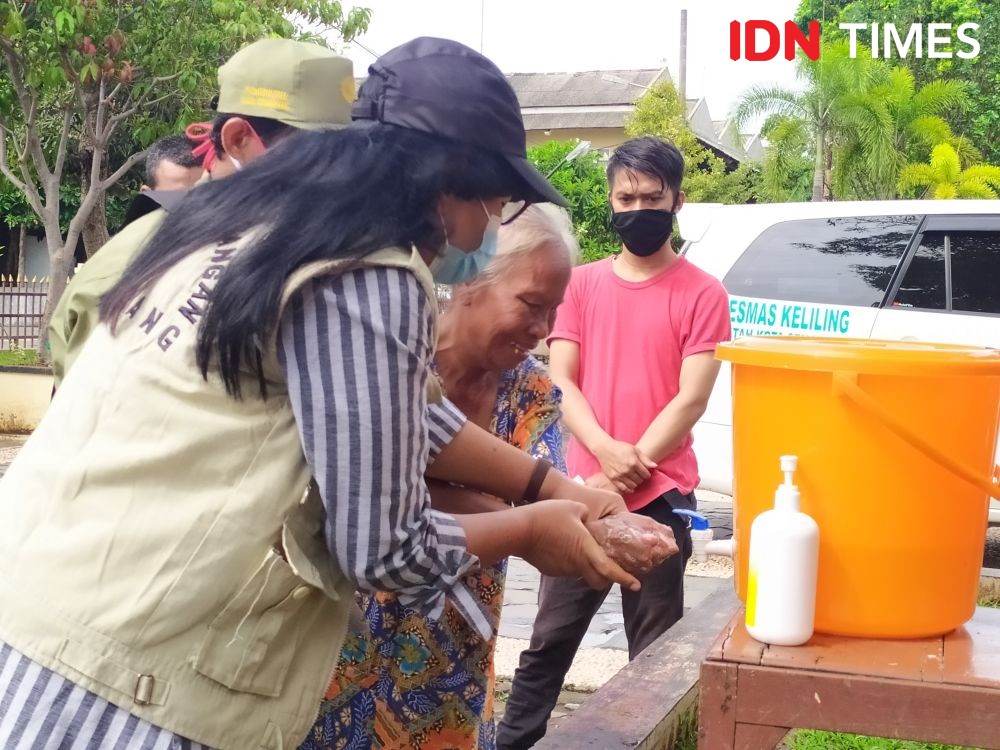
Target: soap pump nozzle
x=787, y=495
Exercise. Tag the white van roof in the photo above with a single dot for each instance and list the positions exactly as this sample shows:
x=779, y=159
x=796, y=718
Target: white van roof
x=716, y=234
x=694, y=218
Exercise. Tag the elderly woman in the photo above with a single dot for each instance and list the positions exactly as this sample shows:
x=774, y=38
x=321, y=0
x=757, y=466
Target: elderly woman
x=165, y=579
x=405, y=681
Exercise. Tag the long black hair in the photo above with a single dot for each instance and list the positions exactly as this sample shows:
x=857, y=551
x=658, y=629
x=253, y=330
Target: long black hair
x=314, y=196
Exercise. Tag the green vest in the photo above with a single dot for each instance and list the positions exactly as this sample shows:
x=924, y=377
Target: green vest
x=76, y=316
x=158, y=545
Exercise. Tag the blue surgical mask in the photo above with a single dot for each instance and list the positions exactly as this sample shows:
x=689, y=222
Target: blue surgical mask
x=453, y=266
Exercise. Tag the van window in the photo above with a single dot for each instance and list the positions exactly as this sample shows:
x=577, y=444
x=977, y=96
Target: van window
x=975, y=271
x=837, y=260
x=923, y=284
x=970, y=258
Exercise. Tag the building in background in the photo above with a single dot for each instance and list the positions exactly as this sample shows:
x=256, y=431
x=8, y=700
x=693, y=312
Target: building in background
x=594, y=105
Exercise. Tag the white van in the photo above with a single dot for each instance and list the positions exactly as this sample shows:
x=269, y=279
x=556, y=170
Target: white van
x=904, y=270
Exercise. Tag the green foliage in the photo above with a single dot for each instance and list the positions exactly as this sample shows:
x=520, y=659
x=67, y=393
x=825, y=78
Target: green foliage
x=989, y=592
x=710, y=182
x=164, y=55
x=813, y=740
x=660, y=112
x=861, y=121
x=787, y=168
x=585, y=186
x=686, y=732
x=943, y=178
x=117, y=74
x=828, y=80
x=890, y=123
x=980, y=123
x=15, y=211
x=18, y=358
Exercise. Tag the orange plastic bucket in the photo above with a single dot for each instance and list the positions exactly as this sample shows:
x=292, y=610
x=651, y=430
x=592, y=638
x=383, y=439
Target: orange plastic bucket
x=896, y=444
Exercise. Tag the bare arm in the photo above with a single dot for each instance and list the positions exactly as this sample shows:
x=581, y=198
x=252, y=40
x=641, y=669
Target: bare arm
x=564, y=367
x=672, y=425
x=552, y=536
x=448, y=498
x=479, y=460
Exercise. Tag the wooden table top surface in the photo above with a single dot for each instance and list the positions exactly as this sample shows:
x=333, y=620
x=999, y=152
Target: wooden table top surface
x=968, y=656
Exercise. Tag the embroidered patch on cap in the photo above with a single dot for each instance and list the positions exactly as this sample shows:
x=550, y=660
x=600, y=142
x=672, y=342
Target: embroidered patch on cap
x=257, y=96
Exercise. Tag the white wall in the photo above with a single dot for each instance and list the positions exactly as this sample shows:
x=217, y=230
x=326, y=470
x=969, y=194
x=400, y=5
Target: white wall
x=36, y=257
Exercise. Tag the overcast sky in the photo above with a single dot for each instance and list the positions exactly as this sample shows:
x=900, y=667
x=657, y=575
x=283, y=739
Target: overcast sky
x=525, y=36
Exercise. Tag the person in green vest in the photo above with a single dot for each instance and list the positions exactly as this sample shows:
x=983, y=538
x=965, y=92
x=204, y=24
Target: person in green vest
x=245, y=437
x=267, y=91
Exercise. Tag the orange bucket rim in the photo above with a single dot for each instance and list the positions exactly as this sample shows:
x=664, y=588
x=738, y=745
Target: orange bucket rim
x=873, y=356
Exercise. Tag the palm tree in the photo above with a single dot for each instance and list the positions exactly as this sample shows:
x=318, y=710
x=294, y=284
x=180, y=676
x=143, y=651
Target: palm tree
x=944, y=178
x=786, y=170
x=828, y=80
x=891, y=123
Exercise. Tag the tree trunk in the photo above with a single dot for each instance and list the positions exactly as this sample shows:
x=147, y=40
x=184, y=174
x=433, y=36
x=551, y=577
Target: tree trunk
x=95, y=228
x=819, y=167
x=61, y=262
x=828, y=176
x=22, y=239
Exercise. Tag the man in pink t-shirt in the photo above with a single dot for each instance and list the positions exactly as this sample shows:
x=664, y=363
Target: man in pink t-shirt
x=633, y=352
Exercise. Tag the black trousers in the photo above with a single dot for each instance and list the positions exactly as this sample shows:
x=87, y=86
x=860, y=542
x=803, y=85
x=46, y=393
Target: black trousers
x=565, y=608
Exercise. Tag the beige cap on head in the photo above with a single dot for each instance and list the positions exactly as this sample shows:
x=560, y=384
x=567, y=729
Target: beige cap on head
x=301, y=84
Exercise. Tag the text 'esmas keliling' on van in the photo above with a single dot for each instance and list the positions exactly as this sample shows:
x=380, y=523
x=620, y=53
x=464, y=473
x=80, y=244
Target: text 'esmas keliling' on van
x=755, y=317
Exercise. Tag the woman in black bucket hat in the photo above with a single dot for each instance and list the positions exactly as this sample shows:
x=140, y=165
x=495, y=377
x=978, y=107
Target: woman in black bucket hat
x=160, y=563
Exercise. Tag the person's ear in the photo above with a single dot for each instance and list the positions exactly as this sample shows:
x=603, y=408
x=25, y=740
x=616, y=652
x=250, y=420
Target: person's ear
x=240, y=141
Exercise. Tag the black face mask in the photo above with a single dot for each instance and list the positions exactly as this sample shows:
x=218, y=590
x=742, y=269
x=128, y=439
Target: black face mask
x=644, y=231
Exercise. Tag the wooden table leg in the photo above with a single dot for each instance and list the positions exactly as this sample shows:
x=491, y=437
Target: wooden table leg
x=758, y=737
x=717, y=706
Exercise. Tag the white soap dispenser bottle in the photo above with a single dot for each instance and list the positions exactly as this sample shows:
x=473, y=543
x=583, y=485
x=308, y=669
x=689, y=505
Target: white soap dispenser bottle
x=781, y=583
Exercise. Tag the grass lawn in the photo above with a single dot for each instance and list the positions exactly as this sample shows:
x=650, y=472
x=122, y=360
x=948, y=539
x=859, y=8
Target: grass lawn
x=15, y=357
x=811, y=740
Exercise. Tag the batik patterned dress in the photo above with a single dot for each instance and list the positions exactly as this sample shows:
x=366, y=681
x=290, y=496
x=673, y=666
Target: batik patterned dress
x=412, y=684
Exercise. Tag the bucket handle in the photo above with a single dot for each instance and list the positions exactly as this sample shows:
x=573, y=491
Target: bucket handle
x=845, y=384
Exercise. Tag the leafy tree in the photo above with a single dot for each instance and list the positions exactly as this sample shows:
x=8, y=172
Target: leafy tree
x=828, y=81
x=585, y=186
x=980, y=122
x=661, y=112
x=944, y=178
x=890, y=124
x=77, y=77
x=787, y=168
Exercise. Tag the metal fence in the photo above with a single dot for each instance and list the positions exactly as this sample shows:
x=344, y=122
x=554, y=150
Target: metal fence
x=22, y=307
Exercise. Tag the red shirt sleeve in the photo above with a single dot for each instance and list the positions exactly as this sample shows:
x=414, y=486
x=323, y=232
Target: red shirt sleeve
x=568, y=317
x=709, y=322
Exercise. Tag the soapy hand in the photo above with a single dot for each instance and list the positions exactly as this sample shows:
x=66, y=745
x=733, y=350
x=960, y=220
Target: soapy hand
x=559, y=545
x=635, y=542
x=599, y=501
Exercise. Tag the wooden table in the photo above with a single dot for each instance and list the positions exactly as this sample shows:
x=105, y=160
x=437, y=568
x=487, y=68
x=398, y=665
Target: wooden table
x=944, y=689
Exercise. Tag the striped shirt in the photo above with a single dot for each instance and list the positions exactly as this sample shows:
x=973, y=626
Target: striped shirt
x=39, y=710
x=356, y=351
